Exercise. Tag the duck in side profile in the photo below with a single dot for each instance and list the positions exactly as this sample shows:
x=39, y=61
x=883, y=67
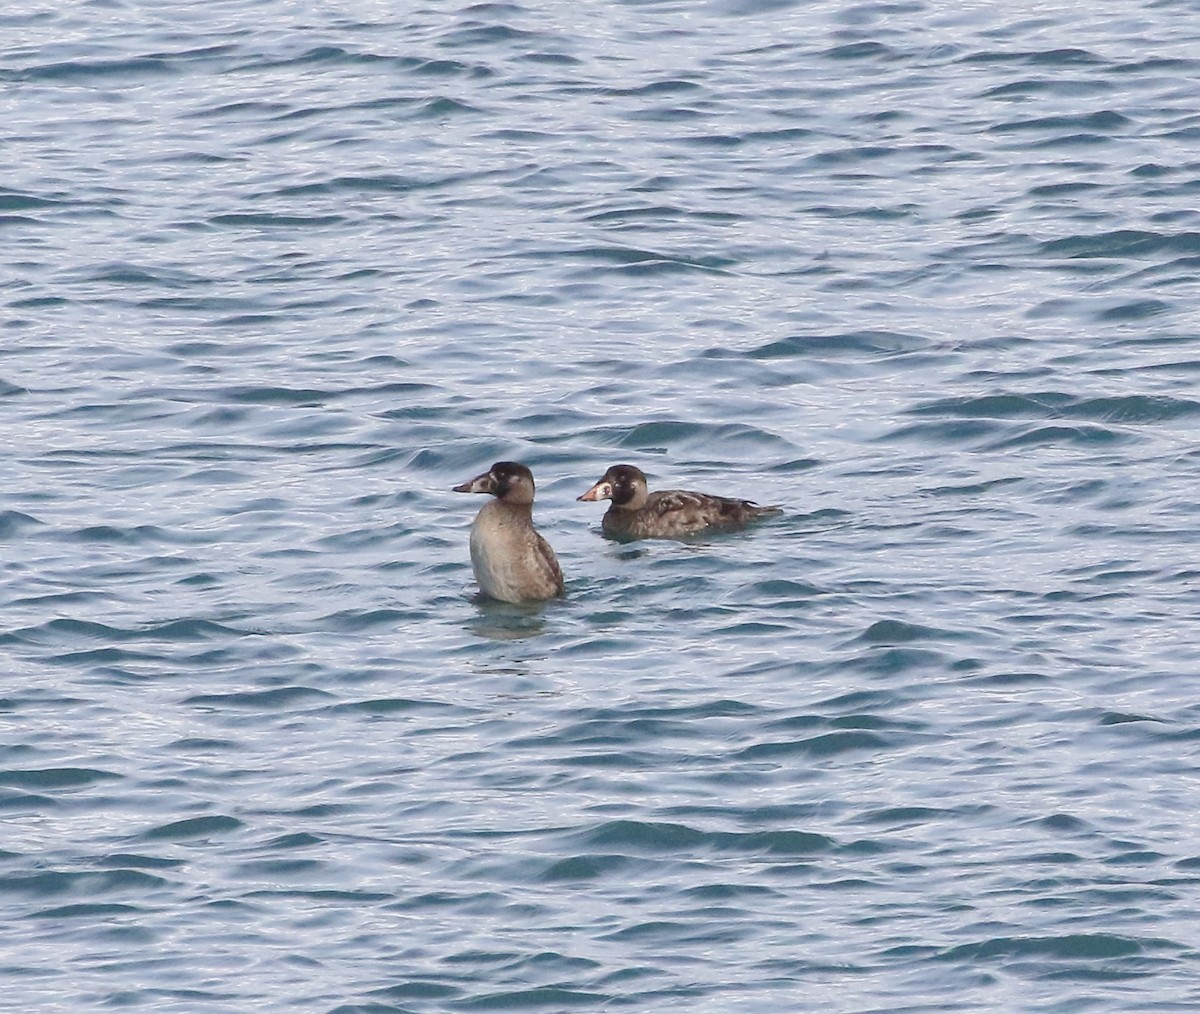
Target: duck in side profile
x=636, y=513
x=512, y=562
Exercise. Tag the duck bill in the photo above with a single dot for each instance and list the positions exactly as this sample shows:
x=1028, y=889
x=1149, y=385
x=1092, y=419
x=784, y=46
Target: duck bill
x=480, y=484
x=601, y=491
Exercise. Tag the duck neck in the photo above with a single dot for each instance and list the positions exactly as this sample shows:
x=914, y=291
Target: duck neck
x=514, y=511
x=635, y=502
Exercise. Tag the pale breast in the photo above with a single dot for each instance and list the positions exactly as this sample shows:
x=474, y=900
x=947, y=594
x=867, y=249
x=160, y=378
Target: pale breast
x=511, y=561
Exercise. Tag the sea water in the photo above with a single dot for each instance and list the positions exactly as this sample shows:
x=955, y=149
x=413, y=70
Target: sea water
x=277, y=276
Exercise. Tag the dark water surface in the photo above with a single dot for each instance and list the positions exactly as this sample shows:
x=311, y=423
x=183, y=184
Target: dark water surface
x=277, y=276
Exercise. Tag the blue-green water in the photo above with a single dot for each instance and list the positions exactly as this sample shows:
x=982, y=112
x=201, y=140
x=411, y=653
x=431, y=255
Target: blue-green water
x=277, y=276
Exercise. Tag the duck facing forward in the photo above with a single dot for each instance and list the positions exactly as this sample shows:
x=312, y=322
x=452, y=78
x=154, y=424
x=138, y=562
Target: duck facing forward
x=636, y=513
x=512, y=562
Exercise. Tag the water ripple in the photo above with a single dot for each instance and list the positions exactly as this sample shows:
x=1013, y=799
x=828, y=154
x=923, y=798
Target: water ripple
x=923, y=277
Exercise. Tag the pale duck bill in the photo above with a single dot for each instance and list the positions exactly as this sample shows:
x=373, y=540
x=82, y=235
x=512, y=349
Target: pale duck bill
x=601, y=491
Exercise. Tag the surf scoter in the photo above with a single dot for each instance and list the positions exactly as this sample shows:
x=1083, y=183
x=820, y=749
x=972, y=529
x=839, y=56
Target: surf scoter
x=512, y=562
x=636, y=513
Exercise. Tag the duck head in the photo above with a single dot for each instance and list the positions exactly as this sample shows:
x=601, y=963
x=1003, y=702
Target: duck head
x=509, y=481
x=624, y=485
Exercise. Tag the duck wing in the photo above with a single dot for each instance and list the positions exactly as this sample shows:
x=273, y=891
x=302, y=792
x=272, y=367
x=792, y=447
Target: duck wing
x=687, y=511
x=549, y=563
